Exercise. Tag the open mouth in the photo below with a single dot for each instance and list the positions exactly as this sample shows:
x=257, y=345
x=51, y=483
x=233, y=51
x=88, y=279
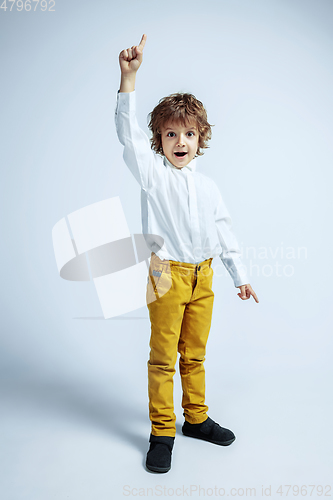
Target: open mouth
x=180, y=154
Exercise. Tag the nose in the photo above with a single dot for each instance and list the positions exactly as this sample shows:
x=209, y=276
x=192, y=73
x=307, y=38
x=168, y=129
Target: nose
x=181, y=140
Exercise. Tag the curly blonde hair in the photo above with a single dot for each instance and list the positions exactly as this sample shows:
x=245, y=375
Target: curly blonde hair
x=183, y=108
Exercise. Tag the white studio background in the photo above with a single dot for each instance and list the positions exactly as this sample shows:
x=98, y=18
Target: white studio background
x=74, y=419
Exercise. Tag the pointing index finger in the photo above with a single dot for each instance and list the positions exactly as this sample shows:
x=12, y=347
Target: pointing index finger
x=143, y=41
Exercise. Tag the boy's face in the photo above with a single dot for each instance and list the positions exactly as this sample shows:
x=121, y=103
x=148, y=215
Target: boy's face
x=180, y=143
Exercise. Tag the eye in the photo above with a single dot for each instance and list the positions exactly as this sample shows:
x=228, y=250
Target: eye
x=168, y=135
x=191, y=133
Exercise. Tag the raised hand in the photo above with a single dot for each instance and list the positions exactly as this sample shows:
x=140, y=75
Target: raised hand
x=130, y=59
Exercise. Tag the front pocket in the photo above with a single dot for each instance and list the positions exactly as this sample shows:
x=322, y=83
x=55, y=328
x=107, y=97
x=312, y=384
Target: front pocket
x=159, y=283
x=155, y=276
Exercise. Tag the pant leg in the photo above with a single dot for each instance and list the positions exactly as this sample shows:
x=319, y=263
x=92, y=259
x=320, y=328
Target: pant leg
x=192, y=346
x=167, y=296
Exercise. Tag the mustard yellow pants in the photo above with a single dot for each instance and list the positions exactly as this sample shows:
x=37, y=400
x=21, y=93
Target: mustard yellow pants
x=180, y=303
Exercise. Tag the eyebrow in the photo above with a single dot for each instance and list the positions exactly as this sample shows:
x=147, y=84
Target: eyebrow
x=190, y=128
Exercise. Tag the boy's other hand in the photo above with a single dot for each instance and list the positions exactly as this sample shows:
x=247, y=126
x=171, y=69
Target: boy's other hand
x=246, y=291
x=130, y=59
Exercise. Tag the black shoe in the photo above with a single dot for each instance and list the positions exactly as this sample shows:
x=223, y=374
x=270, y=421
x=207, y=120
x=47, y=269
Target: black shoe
x=159, y=453
x=209, y=431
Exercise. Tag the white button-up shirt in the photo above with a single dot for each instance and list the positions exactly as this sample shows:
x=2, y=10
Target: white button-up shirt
x=182, y=206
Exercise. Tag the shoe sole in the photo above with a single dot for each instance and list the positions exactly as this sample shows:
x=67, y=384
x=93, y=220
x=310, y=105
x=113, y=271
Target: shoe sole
x=157, y=469
x=220, y=443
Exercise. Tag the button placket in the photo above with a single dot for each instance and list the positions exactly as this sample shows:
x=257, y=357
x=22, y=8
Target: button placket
x=194, y=216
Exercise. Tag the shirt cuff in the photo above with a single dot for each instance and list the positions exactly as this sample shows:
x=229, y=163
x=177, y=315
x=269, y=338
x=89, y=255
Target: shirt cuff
x=237, y=271
x=126, y=102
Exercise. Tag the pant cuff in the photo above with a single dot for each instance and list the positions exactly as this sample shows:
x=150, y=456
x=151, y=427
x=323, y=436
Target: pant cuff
x=167, y=432
x=196, y=420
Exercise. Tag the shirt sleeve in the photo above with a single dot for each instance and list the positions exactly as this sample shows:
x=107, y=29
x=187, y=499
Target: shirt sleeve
x=138, y=154
x=231, y=254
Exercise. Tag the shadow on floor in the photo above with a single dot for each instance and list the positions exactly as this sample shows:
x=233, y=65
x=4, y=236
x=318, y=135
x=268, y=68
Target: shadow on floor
x=97, y=406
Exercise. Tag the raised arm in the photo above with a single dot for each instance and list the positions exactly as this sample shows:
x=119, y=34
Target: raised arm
x=138, y=154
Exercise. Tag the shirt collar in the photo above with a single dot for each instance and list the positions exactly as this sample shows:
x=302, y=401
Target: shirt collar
x=190, y=166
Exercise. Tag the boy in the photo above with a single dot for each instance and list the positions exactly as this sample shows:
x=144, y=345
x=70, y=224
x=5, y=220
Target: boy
x=184, y=210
